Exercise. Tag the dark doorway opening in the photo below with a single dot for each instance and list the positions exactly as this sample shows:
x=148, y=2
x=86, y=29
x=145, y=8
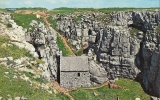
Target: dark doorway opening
x=58, y=69
x=78, y=74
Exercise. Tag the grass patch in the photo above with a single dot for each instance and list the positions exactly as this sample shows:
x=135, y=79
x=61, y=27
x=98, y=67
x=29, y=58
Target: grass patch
x=79, y=52
x=9, y=25
x=53, y=22
x=25, y=19
x=133, y=90
x=11, y=50
x=30, y=8
x=62, y=47
x=31, y=75
x=18, y=87
x=133, y=32
x=39, y=61
x=76, y=19
x=158, y=29
x=65, y=10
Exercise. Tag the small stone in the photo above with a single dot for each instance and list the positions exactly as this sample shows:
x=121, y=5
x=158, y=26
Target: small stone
x=55, y=91
x=154, y=98
x=3, y=59
x=15, y=77
x=10, y=58
x=50, y=92
x=44, y=86
x=137, y=99
x=23, y=98
x=17, y=98
x=95, y=94
x=1, y=98
x=6, y=73
x=9, y=99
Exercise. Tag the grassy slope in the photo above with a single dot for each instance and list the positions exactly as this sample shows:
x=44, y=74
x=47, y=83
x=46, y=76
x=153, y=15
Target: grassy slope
x=11, y=50
x=133, y=90
x=18, y=87
x=158, y=29
x=65, y=10
x=62, y=47
x=24, y=19
x=53, y=23
x=103, y=93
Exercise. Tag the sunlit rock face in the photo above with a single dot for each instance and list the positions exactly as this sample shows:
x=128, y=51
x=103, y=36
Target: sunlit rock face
x=119, y=52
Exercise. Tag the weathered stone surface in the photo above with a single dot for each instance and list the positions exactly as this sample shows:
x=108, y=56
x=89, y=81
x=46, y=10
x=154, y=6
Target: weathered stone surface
x=75, y=70
x=119, y=54
x=113, y=51
x=17, y=98
x=98, y=73
x=44, y=40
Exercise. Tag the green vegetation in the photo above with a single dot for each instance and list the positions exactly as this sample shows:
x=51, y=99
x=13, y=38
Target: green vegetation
x=30, y=8
x=158, y=29
x=65, y=52
x=53, y=22
x=79, y=52
x=11, y=50
x=9, y=25
x=39, y=61
x=31, y=76
x=62, y=10
x=129, y=91
x=133, y=32
x=65, y=10
x=78, y=18
x=25, y=19
x=109, y=10
x=18, y=88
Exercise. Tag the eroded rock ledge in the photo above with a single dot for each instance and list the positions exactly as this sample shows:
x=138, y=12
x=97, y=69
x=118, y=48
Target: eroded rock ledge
x=119, y=54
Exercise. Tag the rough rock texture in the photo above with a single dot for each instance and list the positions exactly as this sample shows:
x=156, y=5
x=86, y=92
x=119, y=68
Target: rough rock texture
x=143, y=20
x=75, y=74
x=118, y=53
x=147, y=60
x=113, y=52
x=115, y=49
x=16, y=33
x=44, y=41
x=39, y=40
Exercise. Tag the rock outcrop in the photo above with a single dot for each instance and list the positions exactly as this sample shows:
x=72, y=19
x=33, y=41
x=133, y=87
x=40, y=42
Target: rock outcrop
x=44, y=38
x=120, y=52
x=114, y=49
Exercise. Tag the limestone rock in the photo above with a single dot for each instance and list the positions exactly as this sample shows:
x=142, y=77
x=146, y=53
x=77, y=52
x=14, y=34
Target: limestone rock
x=17, y=98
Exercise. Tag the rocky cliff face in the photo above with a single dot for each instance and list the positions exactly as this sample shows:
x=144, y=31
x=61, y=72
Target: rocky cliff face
x=147, y=60
x=44, y=39
x=120, y=51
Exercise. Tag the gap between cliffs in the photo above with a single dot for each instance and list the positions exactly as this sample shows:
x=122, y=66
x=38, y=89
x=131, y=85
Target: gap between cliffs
x=62, y=37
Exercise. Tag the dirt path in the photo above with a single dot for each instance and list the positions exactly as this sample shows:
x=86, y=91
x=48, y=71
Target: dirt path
x=62, y=37
x=66, y=92
x=94, y=88
x=62, y=90
x=65, y=43
x=46, y=21
x=45, y=15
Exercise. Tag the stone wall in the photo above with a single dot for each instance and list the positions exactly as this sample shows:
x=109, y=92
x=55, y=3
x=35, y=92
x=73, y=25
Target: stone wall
x=74, y=79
